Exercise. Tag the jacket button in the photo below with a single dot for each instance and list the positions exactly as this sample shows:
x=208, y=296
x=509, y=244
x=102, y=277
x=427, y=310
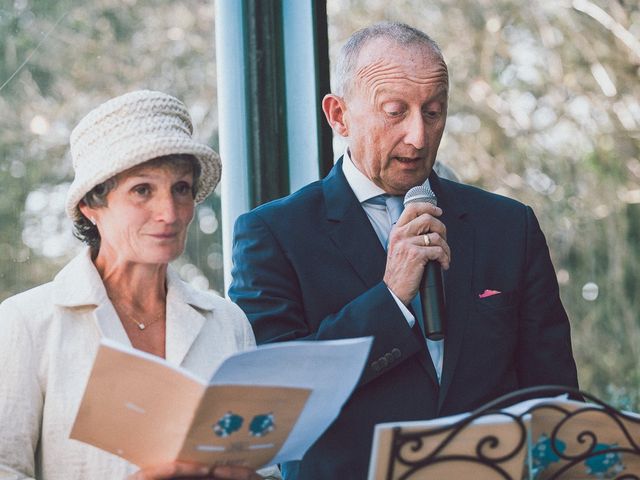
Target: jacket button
x=388, y=357
x=382, y=362
x=396, y=353
x=375, y=366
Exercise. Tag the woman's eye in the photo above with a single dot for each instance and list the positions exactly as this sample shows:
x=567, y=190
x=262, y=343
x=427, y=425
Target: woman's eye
x=142, y=190
x=182, y=188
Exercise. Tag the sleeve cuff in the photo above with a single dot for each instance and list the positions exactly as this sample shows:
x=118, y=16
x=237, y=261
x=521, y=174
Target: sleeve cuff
x=408, y=316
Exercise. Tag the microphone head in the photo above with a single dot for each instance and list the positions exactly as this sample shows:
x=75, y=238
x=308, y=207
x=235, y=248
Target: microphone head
x=421, y=193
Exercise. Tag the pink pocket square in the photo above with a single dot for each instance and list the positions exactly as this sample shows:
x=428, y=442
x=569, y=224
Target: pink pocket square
x=489, y=293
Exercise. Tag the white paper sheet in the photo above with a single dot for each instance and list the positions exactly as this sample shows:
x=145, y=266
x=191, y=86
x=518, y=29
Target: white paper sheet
x=330, y=368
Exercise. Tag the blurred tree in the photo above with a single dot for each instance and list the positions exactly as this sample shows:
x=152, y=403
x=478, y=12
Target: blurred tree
x=60, y=59
x=545, y=107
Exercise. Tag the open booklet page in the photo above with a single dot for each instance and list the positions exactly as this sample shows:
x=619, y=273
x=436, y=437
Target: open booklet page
x=141, y=408
x=535, y=439
x=564, y=431
x=451, y=451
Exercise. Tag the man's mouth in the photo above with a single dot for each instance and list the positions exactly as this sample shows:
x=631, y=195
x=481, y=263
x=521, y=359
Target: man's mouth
x=408, y=159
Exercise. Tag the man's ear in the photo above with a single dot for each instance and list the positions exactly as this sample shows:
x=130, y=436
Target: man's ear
x=334, y=110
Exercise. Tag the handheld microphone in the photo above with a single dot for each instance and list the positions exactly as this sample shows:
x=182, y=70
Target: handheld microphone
x=431, y=286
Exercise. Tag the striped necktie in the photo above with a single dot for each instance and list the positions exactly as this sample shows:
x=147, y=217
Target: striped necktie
x=395, y=206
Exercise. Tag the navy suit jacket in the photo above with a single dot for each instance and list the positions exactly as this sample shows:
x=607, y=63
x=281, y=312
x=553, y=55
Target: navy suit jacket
x=310, y=266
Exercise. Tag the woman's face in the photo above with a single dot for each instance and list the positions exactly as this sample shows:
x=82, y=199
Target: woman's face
x=146, y=216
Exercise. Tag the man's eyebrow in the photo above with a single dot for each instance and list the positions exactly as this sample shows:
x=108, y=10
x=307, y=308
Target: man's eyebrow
x=443, y=91
x=395, y=94
x=385, y=90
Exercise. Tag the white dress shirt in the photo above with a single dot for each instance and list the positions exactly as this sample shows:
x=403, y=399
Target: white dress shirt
x=365, y=189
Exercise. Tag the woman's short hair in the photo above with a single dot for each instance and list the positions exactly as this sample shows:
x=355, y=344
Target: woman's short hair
x=87, y=232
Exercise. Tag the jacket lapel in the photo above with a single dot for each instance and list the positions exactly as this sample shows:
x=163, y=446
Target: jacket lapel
x=350, y=229
x=184, y=317
x=457, y=280
x=79, y=284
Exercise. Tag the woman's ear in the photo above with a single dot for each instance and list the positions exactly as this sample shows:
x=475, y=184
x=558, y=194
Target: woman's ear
x=334, y=110
x=87, y=211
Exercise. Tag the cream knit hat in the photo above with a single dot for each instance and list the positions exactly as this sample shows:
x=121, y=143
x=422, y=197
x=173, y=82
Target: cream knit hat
x=129, y=130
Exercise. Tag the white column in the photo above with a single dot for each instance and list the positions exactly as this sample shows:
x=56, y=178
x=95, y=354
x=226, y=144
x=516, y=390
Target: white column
x=230, y=62
x=301, y=85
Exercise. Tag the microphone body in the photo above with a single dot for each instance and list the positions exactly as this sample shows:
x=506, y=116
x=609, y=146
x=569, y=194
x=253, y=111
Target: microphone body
x=431, y=290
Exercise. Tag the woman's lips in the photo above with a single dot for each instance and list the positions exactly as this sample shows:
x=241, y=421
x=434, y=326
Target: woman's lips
x=164, y=236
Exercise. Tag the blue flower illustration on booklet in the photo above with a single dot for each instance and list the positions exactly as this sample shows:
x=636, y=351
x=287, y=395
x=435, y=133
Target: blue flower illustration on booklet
x=261, y=425
x=543, y=454
x=607, y=465
x=228, y=424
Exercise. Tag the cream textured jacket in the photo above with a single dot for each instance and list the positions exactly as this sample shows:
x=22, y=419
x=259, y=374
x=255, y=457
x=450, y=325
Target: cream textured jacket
x=48, y=339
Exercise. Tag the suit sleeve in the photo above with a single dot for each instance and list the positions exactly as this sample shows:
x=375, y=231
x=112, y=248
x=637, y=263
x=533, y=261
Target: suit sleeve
x=266, y=286
x=544, y=354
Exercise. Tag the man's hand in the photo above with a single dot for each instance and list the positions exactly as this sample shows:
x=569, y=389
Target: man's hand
x=185, y=470
x=408, y=253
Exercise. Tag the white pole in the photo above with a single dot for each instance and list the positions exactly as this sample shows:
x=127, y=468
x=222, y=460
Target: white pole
x=230, y=65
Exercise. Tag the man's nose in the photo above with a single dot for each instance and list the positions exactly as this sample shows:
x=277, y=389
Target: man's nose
x=416, y=135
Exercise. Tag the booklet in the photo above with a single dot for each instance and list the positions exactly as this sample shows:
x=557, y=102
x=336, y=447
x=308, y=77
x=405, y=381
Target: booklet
x=535, y=439
x=452, y=452
x=262, y=406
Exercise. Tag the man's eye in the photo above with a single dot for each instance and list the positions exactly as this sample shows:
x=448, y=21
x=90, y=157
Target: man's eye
x=433, y=114
x=394, y=112
x=393, y=109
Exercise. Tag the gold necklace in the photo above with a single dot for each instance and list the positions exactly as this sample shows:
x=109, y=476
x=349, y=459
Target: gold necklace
x=139, y=324
x=142, y=325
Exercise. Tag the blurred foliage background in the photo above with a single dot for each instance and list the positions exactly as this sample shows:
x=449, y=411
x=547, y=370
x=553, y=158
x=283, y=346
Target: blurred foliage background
x=79, y=54
x=544, y=107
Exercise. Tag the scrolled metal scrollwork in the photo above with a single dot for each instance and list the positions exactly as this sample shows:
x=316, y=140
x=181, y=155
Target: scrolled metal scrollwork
x=411, y=455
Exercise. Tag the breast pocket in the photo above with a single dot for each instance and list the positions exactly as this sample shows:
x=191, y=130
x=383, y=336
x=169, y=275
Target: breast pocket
x=495, y=317
x=498, y=301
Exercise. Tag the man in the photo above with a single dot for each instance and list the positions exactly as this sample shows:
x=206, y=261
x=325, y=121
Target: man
x=313, y=265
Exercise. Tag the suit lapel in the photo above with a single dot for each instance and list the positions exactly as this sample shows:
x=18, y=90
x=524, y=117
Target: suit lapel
x=457, y=280
x=350, y=229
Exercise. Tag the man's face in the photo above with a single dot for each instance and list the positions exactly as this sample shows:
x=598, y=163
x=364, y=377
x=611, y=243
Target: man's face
x=395, y=113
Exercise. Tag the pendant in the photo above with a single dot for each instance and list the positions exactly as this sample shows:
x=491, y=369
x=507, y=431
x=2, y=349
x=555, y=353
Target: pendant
x=141, y=326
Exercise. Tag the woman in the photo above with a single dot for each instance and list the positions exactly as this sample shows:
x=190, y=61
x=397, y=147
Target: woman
x=138, y=176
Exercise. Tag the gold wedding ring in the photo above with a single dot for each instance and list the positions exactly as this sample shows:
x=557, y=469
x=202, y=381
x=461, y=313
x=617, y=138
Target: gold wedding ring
x=426, y=239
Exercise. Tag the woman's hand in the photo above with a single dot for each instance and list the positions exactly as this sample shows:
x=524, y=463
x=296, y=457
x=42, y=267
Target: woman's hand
x=228, y=472
x=185, y=470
